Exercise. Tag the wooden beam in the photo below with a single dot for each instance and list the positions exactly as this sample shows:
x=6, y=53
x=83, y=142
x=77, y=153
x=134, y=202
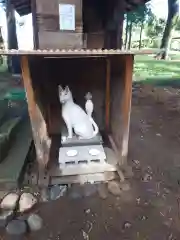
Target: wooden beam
x=126, y=107
x=108, y=76
x=40, y=135
x=35, y=25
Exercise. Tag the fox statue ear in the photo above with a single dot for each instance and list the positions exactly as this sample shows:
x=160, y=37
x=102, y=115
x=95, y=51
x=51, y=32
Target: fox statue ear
x=60, y=88
x=67, y=89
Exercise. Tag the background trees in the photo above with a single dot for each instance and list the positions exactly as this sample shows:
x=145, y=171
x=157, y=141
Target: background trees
x=136, y=19
x=172, y=20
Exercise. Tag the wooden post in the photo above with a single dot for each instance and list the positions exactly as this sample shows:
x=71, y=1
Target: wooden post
x=108, y=76
x=126, y=107
x=41, y=139
x=35, y=25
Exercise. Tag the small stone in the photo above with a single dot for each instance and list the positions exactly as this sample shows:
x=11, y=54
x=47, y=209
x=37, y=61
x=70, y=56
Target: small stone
x=158, y=135
x=127, y=225
x=114, y=188
x=16, y=227
x=147, y=177
x=124, y=186
x=9, y=201
x=57, y=191
x=45, y=194
x=5, y=217
x=35, y=222
x=137, y=162
x=143, y=218
x=102, y=191
x=138, y=200
x=26, y=202
x=87, y=211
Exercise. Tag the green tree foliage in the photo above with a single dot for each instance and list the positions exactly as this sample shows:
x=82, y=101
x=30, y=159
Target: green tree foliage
x=154, y=27
x=11, y=28
x=177, y=27
x=136, y=18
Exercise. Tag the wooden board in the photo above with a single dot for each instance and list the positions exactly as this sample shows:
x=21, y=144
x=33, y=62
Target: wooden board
x=59, y=40
x=77, y=53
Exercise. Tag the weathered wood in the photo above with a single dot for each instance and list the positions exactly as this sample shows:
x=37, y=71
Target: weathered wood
x=68, y=40
x=126, y=105
x=111, y=90
x=40, y=135
x=108, y=72
x=50, y=33
x=23, y=7
x=117, y=88
x=35, y=25
x=62, y=53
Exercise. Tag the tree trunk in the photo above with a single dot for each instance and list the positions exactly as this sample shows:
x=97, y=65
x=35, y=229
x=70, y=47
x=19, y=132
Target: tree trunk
x=126, y=36
x=130, y=35
x=173, y=14
x=140, y=37
x=11, y=31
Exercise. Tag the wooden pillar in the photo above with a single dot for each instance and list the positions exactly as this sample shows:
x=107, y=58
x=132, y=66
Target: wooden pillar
x=114, y=25
x=35, y=25
x=40, y=136
x=108, y=78
x=126, y=105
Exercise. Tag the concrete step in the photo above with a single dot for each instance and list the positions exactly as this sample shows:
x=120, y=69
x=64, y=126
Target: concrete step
x=110, y=165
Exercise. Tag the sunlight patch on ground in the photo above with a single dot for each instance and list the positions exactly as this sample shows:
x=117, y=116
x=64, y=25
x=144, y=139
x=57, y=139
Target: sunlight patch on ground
x=147, y=67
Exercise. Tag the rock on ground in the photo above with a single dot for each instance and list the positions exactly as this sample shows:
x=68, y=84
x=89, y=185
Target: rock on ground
x=9, y=201
x=16, y=227
x=125, y=186
x=114, y=188
x=26, y=202
x=45, y=194
x=3, y=194
x=35, y=222
x=5, y=217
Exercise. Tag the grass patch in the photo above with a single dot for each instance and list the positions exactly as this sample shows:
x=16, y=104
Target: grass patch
x=147, y=69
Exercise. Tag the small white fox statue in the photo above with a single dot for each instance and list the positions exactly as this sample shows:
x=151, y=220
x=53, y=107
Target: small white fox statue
x=75, y=117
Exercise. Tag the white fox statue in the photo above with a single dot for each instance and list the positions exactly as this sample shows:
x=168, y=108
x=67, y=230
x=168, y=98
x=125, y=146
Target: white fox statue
x=75, y=117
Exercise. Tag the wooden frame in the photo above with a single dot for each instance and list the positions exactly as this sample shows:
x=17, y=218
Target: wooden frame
x=38, y=122
x=39, y=127
x=40, y=136
x=129, y=60
x=108, y=96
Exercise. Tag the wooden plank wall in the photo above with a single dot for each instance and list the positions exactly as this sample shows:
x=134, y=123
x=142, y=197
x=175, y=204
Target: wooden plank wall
x=81, y=75
x=50, y=35
x=117, y=84
x=121, y=93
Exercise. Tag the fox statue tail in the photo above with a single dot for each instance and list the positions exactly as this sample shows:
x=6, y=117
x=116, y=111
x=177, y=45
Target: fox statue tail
x=89, y=106
x=96, y=129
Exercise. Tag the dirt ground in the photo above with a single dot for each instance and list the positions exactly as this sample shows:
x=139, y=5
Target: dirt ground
x=150, y=210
